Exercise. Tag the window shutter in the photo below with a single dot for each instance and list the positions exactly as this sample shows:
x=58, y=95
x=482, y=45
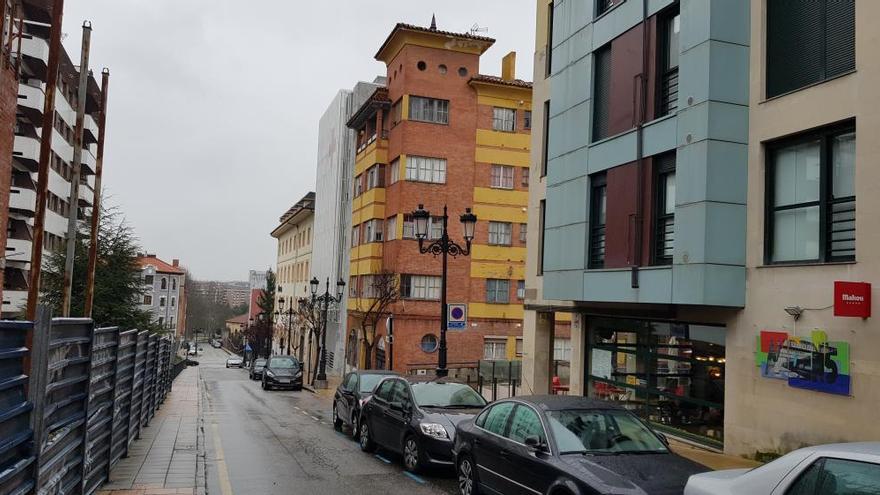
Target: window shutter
x=601, y=92
x=794, y=45
x=840, y=37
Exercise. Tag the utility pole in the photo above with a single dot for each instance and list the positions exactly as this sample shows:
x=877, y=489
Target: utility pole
x=96, y=201
x=45, y=152
x=73, y=210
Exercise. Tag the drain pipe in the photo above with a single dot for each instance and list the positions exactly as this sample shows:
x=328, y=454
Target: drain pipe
x=640, y=192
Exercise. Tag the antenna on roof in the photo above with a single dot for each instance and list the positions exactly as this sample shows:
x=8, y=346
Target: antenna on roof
x=433, y=22
x=477, y=29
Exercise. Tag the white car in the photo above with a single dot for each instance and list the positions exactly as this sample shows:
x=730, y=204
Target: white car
x=234, y=362
x=843, y=468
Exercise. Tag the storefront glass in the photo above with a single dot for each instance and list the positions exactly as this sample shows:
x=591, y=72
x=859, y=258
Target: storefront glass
x=671, y=374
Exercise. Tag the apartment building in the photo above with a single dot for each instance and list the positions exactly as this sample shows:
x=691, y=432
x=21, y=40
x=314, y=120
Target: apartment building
x=26, y=154
x=440, y=134
x=293, y=266
x=676, y=135
x=256, y=286
x=164, y=292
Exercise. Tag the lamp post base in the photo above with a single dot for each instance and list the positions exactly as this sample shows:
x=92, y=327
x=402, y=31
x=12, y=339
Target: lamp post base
x=441, y=372
x=321, y=383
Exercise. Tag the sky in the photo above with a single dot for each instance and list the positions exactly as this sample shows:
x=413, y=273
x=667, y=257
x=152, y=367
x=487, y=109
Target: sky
x=212, y=122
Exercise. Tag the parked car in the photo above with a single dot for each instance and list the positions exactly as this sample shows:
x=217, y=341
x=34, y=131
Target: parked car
x=282, y=372
x=355, y=390
x=234, y=362
x=542, y=444
x=216, y=344
x=417, y=417
x=256, y=368
x=843, y=468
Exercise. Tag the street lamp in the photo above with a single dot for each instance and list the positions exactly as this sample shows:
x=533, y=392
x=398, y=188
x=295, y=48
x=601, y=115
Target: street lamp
x=288, y=314
x=303, y=306
x=326, y=298
x=444, y=246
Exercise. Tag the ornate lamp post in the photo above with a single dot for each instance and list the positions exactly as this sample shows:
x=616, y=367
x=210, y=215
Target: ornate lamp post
x=303, y=306
x=444, y=246
x=325, y=299
x=287, y=314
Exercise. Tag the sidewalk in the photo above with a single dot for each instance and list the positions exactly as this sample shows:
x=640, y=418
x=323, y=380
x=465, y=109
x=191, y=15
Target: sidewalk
x=710, y=459
x=169, y=457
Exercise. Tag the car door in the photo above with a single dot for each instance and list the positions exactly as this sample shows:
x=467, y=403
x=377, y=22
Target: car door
x=834, y=476
x=488, y=443
x=375, y=411
x=343, y=397
x=398, y=419
x=526, y=469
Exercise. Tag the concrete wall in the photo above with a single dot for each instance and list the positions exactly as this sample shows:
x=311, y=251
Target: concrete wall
x=768, y=415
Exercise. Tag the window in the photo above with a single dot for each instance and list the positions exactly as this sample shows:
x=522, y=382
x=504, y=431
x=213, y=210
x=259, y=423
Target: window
x=373, y=230
x=497, y=291
x=603, y=6
x=519, y=347
x=358, y=185
x=500, y=233
x=523, y=232
x=598, y=202
x=148, y=280
x=808, y=42
x=164, y=283
x=562, y=349
x=495, y=418
x=495, y=349
x=520, y=289
x=524, y=177
x=423, y=169
x=409, y=228
x=376, y=177
x=353, y=286
x=428, y=343
x=162, y=321
x=391, y=228
x=395, y=171
x=462, y=71
x=355, y=235
x=502, y=177
x=396, y=112
x=545, y=139
x=664, y=223
x=549, y=48
x=503, y=119
x=429, y=110
x=829, y=476
x=670, y=25
x=442, y=69
x=420, y=287
x=148, y=300
x=173, y=302
x=542, y=217
x=171, y=322
x=601, y=92
x=811, y=197
x=435, y=228
x=162, y=302
x=421, y=65
x=525, y=423
x=384, y=390
x=527, y=119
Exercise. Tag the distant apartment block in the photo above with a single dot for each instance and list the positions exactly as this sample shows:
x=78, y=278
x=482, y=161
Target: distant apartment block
x=164, y=292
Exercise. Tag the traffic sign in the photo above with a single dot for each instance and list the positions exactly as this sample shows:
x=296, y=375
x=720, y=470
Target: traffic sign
x=456, y=316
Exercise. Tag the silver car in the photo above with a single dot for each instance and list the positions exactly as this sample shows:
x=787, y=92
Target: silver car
x=234, y=362
x=843, y=468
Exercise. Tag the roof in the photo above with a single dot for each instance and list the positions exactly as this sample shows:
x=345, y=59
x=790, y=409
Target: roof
x=378, y=99
x=446, y=34
x=557, y=402
x=516, y=83
x=306, y=204
x=161, y=266
x=241, y=319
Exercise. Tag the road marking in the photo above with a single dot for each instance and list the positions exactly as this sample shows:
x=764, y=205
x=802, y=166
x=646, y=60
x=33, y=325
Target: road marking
x=386, y=461
x=316, y=418
x=296, y=407
x=414, y=477
x=222, y=471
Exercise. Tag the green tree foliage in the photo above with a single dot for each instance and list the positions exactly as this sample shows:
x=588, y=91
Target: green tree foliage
x=118, y=284
x=266, y=303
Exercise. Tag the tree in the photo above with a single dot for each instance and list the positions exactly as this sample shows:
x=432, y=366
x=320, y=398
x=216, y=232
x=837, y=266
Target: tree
x=308, y=317
x=266, y=303
x=118, y=284
x=385, y=291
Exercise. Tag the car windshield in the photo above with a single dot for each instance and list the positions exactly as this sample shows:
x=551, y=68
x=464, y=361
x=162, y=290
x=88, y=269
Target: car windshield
x=450, y=395
x=283, y=362
x=595, y=431
x=368, y=382
x=260, y=362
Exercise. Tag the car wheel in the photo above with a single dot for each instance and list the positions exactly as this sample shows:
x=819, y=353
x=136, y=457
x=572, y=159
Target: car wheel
x=411, y=459
x=365, y=438
x=354, y=425
x=467, y=477
x=227, y=365
x=263, y=384
x=337, y=423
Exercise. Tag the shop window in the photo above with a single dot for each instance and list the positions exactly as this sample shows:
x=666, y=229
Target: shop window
x=664, y=221
x=598, y=210
x=670, y=27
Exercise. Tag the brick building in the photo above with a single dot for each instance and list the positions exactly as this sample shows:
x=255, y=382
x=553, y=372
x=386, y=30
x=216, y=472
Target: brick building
x=440, y=133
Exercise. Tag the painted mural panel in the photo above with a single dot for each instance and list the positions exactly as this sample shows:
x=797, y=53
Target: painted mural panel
x=812, y=363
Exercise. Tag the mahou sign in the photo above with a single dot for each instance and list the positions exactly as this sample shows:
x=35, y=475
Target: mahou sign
x=852, y=299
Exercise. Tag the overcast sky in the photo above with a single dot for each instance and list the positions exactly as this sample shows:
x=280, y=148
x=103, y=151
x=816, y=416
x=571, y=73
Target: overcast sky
x=214, y=106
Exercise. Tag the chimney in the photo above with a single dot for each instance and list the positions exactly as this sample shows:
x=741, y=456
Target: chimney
x=508, y=67
x=175, y=262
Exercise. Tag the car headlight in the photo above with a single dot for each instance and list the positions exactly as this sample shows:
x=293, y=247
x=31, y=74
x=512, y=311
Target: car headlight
x=299, y=373
x=434, y=430
x=270, y=374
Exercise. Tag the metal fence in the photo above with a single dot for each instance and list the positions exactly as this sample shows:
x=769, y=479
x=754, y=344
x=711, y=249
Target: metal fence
x=68, y=417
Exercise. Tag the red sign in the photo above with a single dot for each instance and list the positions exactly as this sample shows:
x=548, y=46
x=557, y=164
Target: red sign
x=852, y=299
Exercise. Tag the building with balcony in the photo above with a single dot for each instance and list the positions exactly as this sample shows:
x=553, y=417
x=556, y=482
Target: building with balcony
x=19, y=210
x=164, y=292
x=294, y=233
x=440, y=134
x=332, y=226
x=673, y=136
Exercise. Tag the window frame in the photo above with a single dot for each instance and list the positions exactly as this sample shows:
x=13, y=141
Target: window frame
x=545, y=136
x=505, y=175
x=597, y=181
x=501, y=238
x=825, y=135
x=493, y=290
x=599, y=132
x=661, y=173
x=663, y=106
x=527, y=120
x=495, y=343
x=508, y=117
x=426, y=165
x=436, y=112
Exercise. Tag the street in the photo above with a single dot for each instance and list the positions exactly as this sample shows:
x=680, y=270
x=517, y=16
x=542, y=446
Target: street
x=283, y=442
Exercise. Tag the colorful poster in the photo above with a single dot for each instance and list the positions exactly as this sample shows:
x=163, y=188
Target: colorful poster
x=811, y=363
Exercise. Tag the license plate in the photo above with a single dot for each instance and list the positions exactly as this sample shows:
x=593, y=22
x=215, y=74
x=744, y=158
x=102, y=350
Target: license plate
x=285, y=381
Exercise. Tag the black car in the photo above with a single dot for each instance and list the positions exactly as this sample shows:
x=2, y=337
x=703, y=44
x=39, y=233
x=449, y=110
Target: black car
x=417, y=418
x=355, y=389
x=256, y=368
x=565, y=445
x=282, y=372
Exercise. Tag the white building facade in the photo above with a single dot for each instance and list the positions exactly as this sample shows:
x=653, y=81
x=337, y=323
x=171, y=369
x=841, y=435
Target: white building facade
x=164, y=295
x=292, y=270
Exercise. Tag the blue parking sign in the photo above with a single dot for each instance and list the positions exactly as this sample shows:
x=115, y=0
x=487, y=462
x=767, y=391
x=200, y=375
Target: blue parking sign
x=456, y=316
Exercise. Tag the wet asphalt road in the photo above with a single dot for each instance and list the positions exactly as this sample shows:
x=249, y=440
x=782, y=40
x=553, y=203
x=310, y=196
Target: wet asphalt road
x=283, y=442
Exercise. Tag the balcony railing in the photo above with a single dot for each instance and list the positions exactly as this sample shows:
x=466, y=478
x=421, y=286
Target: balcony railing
x=669, y=92
x=597, y=247
x=842, y=229
x=665, y=240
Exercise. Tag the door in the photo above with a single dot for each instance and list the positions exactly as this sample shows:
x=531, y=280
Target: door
x=398, y=420
x=375, y=410
x=346, y=397
x=488, y=443
x=832, y=476
x=525, y=469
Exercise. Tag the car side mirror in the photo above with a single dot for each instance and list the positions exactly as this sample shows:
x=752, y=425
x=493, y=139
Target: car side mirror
x=662, y=438
x=535, y=443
